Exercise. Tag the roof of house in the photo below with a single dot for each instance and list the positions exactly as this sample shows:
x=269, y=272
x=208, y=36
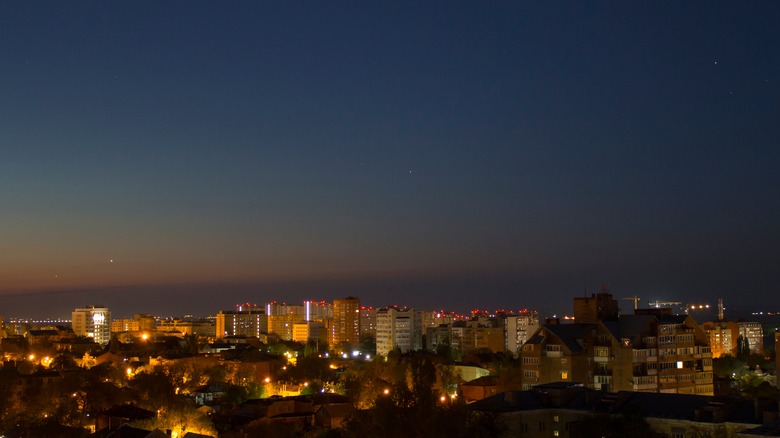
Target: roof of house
x=569, y=334
x=339, y=410
x=652, y=405
x=768, y=429
x=131, y=412
x=483, y=381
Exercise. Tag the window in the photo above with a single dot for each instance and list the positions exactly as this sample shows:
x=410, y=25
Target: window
x=553, y=347
x=556, y=419
x=555, y=433
x=564, y=376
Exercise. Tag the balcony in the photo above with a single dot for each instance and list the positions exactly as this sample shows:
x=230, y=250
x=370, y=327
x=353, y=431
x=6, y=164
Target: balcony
x=645, y=387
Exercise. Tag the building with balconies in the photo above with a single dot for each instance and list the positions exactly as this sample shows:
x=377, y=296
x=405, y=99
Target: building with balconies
x=651, y=351
x=397, y=328
x=251, y=321
x=518, y=329
x=93, y=321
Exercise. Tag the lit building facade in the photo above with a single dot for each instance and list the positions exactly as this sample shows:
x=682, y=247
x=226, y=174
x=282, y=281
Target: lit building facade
x=139, y=323
x=753, y=333
x=94, y=322
x=724, y=337
x=309, y=331
x=345, y=328
x=651, y=351
x=251, y=322
x=282, y=325
x=368, y=322
x=400, y=329
x=519, y=329
x=317, y=310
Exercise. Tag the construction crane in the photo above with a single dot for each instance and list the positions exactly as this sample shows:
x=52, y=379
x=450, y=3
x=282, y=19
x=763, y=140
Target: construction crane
x=658, y=304
x=635, y=299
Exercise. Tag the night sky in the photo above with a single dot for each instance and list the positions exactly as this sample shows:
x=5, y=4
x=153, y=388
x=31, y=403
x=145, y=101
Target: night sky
x=181, y=157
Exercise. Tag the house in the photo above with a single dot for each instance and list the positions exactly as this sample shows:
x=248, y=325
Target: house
x=333, y=415
x=114, y=417
x=480, y=388
x=558, y=409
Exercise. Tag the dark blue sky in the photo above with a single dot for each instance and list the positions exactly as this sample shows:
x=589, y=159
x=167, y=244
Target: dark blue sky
x=453, y=155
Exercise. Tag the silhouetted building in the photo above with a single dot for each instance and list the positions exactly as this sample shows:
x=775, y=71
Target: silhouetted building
x=598, y=307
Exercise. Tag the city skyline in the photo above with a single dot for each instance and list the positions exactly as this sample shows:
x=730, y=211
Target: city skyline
x=516, y=154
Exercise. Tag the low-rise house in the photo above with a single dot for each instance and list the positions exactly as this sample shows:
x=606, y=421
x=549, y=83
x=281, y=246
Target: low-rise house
x=480, y=388
x=333, y=415
x=114, y=417
x=559, y=409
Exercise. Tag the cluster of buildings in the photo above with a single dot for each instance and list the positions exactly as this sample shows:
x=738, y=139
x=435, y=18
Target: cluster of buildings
x=651, y=350
x=345, y=324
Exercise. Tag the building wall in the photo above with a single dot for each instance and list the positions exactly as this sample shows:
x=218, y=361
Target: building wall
x=346, y=322
x=282, y=325
x=518, y=329
x=754, y=333
x=398, y=328
x=777, y=357
x=309, y=331
x=596, y=308
x=674, y=357
x=251, y=323
x=93, y=322
x=368, y=322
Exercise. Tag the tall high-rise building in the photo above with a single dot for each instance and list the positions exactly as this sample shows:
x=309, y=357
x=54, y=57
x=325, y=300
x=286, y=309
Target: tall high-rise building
x=317, y=310
x=400, y=329
x=368, y=322
x=282, y=325
x=274, y=308
x=597, y=307
x=777, y=354
x=93, y=321
x=753, y=333
x=249, y=321
x=519, y=329
x=727, y=336
x=309, y=331
x=345, y=329
x=651, y=351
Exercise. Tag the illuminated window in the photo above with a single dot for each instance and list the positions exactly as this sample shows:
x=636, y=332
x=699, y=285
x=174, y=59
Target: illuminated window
x=555, y=433
x=564, y=375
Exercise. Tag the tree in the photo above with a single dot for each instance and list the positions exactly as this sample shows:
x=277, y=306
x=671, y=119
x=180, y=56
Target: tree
x=180, y=420
x=743, y=347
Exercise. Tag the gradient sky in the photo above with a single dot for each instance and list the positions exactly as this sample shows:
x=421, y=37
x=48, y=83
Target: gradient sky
x=458, y=155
